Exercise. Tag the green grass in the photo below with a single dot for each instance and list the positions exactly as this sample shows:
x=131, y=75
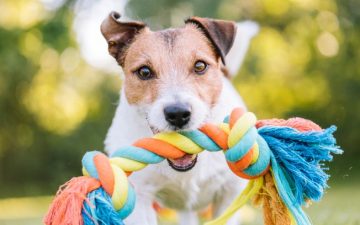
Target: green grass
x=340, y=206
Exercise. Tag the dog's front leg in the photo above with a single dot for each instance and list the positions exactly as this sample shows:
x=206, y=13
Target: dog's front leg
x=144, y=213
x=221, y=205
x=188, y=218
x=226, y=196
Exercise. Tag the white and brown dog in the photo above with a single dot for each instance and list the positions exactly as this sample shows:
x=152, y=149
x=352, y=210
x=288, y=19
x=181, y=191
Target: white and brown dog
x=175, y=79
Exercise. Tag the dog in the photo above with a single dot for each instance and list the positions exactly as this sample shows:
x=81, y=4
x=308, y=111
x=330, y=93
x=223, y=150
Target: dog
x=175, y=79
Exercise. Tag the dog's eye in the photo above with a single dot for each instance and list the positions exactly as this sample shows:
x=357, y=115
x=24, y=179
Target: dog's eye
x=200, y=67
x=144, y=73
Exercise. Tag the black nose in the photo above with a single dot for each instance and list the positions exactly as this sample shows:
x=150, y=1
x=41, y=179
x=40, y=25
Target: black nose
x=177, y=115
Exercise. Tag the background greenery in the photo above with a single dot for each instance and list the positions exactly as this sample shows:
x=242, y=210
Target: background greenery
x=54, y=106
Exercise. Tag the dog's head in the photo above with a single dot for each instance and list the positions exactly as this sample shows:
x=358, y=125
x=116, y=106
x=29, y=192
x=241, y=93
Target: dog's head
x=173, y=75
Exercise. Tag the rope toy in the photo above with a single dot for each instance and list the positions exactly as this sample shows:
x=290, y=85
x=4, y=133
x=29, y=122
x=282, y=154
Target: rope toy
x=283, y=159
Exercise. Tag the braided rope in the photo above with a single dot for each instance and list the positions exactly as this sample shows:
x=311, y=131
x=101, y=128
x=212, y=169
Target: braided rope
x=295, y=149
x=247, y=154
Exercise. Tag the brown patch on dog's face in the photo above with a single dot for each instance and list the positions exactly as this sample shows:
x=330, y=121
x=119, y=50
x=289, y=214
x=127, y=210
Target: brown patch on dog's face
x=171, y=55
x=174, y=76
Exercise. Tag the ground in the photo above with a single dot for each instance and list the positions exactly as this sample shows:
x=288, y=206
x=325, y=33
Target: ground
x=341, y=206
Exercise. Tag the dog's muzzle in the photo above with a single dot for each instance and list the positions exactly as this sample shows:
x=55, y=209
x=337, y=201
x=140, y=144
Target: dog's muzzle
x=183, y=164
x=177, y=115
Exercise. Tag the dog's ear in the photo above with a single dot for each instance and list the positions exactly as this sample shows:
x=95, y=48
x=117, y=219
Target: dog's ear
x=119, y=34
x=221, y=33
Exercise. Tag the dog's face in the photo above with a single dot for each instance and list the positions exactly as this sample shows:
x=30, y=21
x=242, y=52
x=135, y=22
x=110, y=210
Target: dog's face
x=174, y=75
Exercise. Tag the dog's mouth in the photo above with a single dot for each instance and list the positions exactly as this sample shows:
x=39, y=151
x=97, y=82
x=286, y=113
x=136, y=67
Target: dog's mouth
x=183, y=164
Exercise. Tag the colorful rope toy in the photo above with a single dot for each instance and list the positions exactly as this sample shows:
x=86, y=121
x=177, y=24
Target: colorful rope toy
x=283, y=159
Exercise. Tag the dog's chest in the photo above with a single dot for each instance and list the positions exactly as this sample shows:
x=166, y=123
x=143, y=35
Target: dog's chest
x=192, y=190
x=188, y=195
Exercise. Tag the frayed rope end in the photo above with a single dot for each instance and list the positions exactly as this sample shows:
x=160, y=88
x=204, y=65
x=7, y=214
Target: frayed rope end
x=67, y=206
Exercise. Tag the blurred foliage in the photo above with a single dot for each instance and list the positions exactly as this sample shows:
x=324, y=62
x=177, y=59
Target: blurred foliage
x=54, y=106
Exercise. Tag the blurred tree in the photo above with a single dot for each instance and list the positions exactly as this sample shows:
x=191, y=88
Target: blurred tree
x=52, y=109
x=54, y=106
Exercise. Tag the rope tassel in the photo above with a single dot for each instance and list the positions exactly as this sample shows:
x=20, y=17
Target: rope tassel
x=283, y=158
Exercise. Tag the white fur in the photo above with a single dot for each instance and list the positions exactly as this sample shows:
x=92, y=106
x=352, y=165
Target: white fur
x=210, y=181
x=172, y=94
x=245, y=32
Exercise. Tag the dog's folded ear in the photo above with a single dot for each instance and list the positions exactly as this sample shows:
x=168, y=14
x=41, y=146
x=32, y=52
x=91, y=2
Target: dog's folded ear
x=119, y=34
x=221, y=33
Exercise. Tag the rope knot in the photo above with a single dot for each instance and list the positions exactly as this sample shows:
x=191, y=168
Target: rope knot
x=113, y=180
x=248, y=155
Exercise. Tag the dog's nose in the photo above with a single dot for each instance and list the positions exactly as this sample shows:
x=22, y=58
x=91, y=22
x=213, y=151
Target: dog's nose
x=177, y=115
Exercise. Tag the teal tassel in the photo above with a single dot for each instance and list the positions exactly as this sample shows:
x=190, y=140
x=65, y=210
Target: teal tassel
x=298, y=164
